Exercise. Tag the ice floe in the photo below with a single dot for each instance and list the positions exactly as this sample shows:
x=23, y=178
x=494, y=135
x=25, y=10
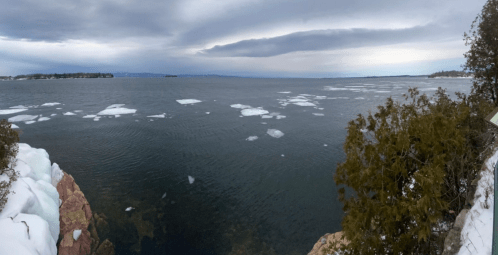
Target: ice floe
x=69, y=113
x=116, y=109
x=275, y=133
x=53, y=114
x=58, y=108
x=285, y=92
x=207, y=112
x=382, y=91
x=266, y=116
x=359, y=98
x=29, y=122
x=264, y=123
x=78, y=110
x=251, y=138
x=325, y=145
x=305, y=104
x=318, y=114
x=12, y=111
x=333, y=88
x=14, y=126
x=191, y=179
x=240, y=106
x=89, y=116
x=96, y=118
x=18, y=107
x=129, y=209
x=188, y=101
x=253, y=112
x=281, y=117
x=50, y=104
x=22, y=118
x=157, y=116
x=43, y=119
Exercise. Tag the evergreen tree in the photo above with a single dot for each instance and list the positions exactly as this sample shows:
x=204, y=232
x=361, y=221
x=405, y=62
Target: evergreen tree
x=482, y=58
x=9, y=139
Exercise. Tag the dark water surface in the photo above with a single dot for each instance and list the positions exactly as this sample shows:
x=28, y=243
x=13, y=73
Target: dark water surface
x=268, y=196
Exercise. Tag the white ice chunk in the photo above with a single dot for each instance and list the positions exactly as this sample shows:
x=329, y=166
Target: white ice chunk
x=275, y=133
x=30, y=122
x=129, y=209
x=78, y=110
x=382, y=91
x=56, y=174
x=76, y=234
x=188, y=101
x=325, y=145
x=253, y=112
x=207, y=112
x=359, y=98
x=283, y=155
x=305, y=104
x=297, y=100
x=266, y=116
x=43, y=119
x=58, y=108
x=117, y=116
x=157, y=116
x=89, y=116
x=112, y=106
x=281, y=117
x=50, y=104
x=251, y=138
x=164, y=195
x=318, y=114
x=333, y=89
x=14, y=126
x=18, y=107
x=321, y=97
x=191, y=179
x=264, y=123
x=96, y=119
x=12, y=111
x=69, y=113
x=240, y=106
x=117, y=110
x=22, y=118
x=53, y=114
x=285, y=92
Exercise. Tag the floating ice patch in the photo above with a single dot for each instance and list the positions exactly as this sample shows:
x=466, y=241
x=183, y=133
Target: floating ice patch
x=53, y=114
x=283, y=155
x=12, y=111
x=78, y=111
x=264, y=123
x=359, y=98
x=96, y=119
x=116, y=109
x=275, y=133
x=333, y=88
x=58, y=108
x=382, y=91
x=14, y=126
x=321, y=109
x=297, y=100
x=164, y=195
x=89, y=116
x=354, y=86
x=428, y=89
x=29, y=122
x=43, y=119
x=188, y=101
x=253, y=112
x=191, y=179
x=266, y=116
x=285, y=92
x=306, y=95
x=50, y=104
x=207, y=112
x=321, y=97
x=69, y=113
x=281, y=117
x=23, y=118
x=129, y=209
x=318, y=114
x=18, y=107
x=117, y=116
x=240, y=106
x=251, y=138
x=325, y=145
x=157, y=116
x=305, y=104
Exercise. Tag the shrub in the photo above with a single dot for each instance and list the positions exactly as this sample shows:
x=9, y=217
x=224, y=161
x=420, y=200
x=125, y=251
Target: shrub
x=405, y=167
x=9, y=139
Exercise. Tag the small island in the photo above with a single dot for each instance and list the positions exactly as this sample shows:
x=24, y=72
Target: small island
x=451, y=74
x=39, y=76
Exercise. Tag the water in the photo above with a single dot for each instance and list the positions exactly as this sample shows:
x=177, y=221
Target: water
x=267, y=196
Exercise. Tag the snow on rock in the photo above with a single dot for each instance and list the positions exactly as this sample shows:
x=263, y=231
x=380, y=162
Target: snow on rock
x=57, y=174
x=191, y=179
x=116, y=109
x=188, y=101
x=253, y=112
x=19, y=118
x=251, y=138
x=477, y=231
x=12, y=111
x=76, y=234
x=33, y=203
x=275, y=133
x=50, y=104
x=69, y=113
x=43, y=119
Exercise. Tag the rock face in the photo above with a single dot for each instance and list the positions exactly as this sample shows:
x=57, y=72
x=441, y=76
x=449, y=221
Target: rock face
x=75, y=214
x=325, y=242
x=452, y=242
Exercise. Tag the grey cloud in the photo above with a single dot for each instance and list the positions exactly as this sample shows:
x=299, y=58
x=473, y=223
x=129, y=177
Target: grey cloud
x=327, y=40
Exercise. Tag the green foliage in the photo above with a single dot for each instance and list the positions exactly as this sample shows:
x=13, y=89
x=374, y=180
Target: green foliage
x=407, y=165
x=9, y=139
x=482, y=58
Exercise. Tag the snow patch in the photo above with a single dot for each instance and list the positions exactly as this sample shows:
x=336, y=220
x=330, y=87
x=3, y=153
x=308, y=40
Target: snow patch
x=76, y=234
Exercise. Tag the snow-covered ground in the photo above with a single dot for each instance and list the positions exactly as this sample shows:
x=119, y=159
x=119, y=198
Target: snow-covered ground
x=477, y=232
x=29, y=222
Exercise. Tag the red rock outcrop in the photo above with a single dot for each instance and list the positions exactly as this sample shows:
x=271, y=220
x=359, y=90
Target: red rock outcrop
x=325, y=242
x=75, y=213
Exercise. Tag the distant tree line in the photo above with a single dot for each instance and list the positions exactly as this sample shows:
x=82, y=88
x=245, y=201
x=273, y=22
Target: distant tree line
x=450, y=74
x=57, y=76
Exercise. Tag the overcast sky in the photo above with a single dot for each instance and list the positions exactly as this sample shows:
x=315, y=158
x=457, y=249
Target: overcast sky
x=270, y=38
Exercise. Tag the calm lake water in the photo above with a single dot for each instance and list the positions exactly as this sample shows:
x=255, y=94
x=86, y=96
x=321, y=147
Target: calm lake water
x=267, y=196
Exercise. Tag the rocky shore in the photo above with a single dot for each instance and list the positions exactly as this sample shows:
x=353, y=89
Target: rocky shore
x=79, y=228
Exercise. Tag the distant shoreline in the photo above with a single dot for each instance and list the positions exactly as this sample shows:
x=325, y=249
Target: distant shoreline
x=56, y=76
